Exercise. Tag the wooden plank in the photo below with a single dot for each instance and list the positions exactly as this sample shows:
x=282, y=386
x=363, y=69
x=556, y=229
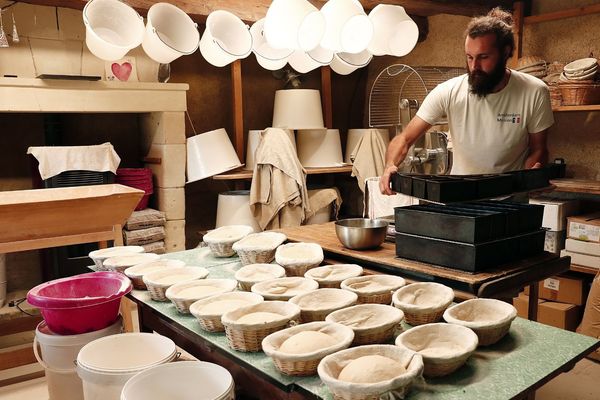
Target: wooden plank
x=326, y=97
x=16, y=356
x=589, y=107
x=247, y=174
x=65, y=240
x=576, y=185
x=25, y=323
x=238, y=109
x=562, y=14
x=583, y=269
x=518, y=7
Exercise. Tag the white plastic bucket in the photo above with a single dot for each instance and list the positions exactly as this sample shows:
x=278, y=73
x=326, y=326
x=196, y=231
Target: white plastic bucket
x=225, y=39
x=294, y=24
x=181, y=380
x=348, y=28
x=58, y=354
x=170, y=33
x=106, y=364
x=233, y=208
x=346, y=63
x=267, y=56
x=319, y=148
x=395, y=33
x=112, y=28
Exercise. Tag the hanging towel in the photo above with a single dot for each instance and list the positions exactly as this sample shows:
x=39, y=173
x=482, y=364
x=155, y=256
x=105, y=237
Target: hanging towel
x=369, y=157
x=377, y=205
x=278, y=195
x=322, y=198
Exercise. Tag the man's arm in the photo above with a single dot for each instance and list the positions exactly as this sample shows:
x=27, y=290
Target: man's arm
x=398, y=148
x=538, y=150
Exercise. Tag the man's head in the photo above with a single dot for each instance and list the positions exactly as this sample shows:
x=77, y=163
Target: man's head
x=489, y=44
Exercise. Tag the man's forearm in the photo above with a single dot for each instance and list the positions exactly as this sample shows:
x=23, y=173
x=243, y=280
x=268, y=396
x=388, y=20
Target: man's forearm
x=397, y=151
x=536, y=156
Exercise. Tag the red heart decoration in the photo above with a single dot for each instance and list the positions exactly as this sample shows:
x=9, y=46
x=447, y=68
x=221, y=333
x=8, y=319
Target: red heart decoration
x=121, y=71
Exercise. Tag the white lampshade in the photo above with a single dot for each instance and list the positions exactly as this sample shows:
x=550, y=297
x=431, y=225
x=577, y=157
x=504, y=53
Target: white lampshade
x=267, y=56
x=225, y=39
x=319, y=147
x=347, y=28
x=294, y=24
x=298, y=109
x=209, y=154
x=233, y=208
x=346, y=63
x=354, y=136
x=254, y=138
x=395, y=33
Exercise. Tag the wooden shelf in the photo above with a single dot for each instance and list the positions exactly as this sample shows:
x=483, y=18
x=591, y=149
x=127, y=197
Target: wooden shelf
x=576, y=186
x=246, y=174
x=584, y=269
x=590, y=107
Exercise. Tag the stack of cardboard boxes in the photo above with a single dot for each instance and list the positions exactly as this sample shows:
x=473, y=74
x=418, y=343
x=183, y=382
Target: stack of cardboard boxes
x=556, y=212
x=583, y=243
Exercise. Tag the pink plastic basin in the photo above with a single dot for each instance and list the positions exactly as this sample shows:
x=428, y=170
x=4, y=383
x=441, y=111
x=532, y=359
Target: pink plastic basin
x=81, y=303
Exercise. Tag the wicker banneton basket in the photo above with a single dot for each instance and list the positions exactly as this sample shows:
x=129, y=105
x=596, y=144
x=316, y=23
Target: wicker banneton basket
x=221, y=240
x=248, y=336
x=305, y=363
x=284, y=288
x=209, y=311
x=490, y=319
x=98, y=256
x=331, y=276
x=423, y=302
x=158, y=282
x=250, y=274
x=444, y=347
x=374, y=288
x=137, y=272
x=579, y=94
x=316, y=305
x=184, y=294
x=330, y=367
x=121, y=263
x=297, y=258
x=371, y=323
x=258, y=248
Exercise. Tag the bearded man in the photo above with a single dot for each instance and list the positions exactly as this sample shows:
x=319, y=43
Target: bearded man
x=497, y=117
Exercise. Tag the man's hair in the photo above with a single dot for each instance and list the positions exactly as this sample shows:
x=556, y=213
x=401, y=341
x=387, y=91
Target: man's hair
x=497, y=22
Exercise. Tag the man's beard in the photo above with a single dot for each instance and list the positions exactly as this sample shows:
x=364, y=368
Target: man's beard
x=482, y=84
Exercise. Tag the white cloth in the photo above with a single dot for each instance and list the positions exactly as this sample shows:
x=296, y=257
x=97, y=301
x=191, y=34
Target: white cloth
x=56, y=159
x=377, y=205
x=368, y=157
x=278, y=195
x=490, y=135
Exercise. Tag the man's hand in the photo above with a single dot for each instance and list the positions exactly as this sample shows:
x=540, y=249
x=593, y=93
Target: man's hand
x=384, y=181
x=536, y=165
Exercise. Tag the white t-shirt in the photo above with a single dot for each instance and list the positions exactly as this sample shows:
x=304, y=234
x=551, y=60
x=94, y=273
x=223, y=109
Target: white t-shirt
x=490, y=134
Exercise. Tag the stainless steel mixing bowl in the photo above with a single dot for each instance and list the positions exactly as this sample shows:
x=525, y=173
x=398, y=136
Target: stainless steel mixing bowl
x=361, y=233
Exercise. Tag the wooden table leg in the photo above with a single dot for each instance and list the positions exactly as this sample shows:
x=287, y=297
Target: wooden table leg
x=125, y=308
x=533, y=302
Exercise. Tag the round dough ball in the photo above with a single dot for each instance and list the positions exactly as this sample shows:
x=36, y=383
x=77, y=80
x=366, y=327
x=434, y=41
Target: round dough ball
x=307, y=342
x=371, y=369
x=223, y=306
x=259, y=317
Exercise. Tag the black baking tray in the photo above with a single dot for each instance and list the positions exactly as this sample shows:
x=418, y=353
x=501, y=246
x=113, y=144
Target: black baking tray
x=466, y=256
x=492, y=185
x=529, y=216
x=448, y=189
x=530, y=179
x=557, y=169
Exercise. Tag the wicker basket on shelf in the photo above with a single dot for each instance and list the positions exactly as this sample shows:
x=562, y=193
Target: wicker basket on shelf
x=209, y=311
x=579, y=94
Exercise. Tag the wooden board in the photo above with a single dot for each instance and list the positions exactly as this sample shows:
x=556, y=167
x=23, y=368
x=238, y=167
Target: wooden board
x=324, y=234
x=247, y=174
x=576, y=186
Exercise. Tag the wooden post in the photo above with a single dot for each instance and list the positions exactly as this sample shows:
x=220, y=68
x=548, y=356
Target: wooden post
x=518, y=32
x=326, y=96
x=238, y=109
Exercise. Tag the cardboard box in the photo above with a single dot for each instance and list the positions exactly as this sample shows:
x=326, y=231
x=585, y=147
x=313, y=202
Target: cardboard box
x=556, y=212
x=554, y=241
x=582, y=259
x=559, y=315
x=581, y=247
x=562, y=289
x=584, y=227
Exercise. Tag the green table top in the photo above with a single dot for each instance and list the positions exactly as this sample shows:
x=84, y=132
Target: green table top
x=527, y=355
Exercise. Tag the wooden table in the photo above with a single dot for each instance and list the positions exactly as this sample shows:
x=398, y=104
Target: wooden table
x=489, y=283
x=529, y=356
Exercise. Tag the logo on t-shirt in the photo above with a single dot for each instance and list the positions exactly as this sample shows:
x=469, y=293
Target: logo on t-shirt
x=513, y=118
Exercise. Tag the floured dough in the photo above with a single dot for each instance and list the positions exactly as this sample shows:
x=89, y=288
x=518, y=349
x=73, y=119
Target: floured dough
x=222, y=306
x=477, y=312
x=197, y=291
x=361, y=319
x=115, y=252
x=325, y=272
x=171, y=279
x=288, y=288
x=225, y=233
x=320, y=300
x=368, y=285
x=296, y=252
x=371, y=369
x=441, y=348
x=258, y=240
x=258, y=273
x=129, y=259
x=307, y=342
x=260, y=317
x=420, y=297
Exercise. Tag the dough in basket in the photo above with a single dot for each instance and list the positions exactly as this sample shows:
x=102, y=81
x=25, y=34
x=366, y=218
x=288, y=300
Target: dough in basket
x=371, y=369
x=260, y=317
x=223, y=306
x=307, y=342
x=196, y=291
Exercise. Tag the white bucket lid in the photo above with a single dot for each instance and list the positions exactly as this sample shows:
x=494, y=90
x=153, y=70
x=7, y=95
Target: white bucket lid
x=126, y=352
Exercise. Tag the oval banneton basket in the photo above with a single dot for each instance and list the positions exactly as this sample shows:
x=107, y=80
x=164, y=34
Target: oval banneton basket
x=331, y=276
x=248, y=336
x=209, y=311
x=251, y=274
x=305, y=363
x=316, y=305
x=297, y=258
x=221, y=240
x=374, y=288
x=98, y=256
x=137, y=272
x=121, y=263
x=158, y=282
x=371, y=323
x=490, y=319
x=330, y=367
x=444, y=347
x=579, y=94
x=284, y=288
x=423, y=302
x=184, y=294
x=258, y=248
